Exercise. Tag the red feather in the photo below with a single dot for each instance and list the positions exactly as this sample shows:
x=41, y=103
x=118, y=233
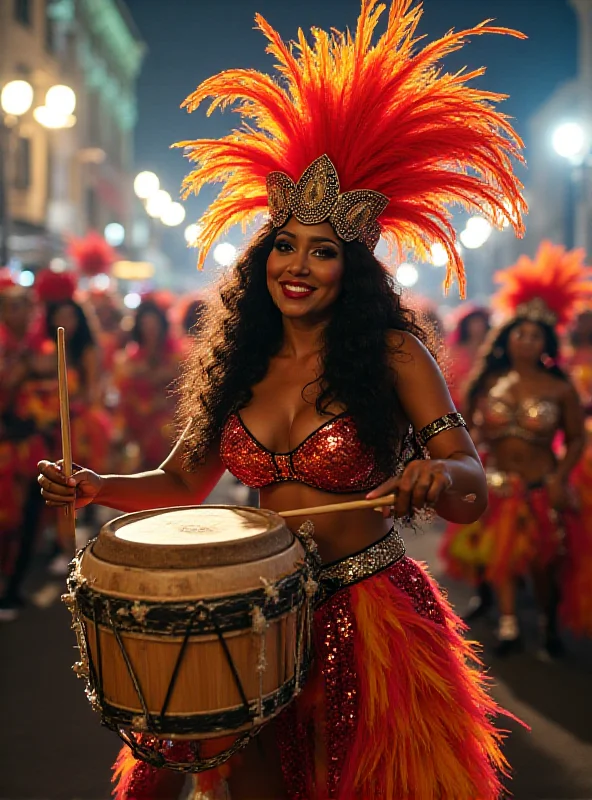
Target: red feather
x=91, y=254
x=557, y=277
x=53, y=287
x=387, y=116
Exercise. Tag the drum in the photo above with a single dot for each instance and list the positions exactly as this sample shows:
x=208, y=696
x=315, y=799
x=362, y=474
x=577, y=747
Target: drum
x=193, y=624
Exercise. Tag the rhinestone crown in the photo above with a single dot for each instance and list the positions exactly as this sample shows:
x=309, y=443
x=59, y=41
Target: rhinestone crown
x=315, y=198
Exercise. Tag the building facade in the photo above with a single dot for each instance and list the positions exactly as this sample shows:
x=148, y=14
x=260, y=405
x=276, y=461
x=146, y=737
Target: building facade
x=66, y=181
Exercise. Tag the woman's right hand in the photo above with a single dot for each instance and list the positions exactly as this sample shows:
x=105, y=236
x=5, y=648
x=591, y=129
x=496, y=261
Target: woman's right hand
x=57, y=490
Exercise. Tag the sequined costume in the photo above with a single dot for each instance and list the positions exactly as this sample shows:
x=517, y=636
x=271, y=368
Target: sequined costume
x=376, y=139
x=521, y=531
x=395, y=692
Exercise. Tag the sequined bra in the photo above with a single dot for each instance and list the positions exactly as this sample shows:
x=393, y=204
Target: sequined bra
x=331, y=459
x=533, y=420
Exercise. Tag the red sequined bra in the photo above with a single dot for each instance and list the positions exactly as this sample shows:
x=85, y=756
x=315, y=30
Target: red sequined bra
x=331, y=459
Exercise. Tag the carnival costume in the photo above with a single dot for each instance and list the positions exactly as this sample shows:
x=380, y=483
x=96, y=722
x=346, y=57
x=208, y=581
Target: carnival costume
x=376, y=140
x=521, y=528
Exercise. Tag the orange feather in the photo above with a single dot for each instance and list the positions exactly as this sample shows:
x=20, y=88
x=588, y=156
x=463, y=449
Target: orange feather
x=387, y=116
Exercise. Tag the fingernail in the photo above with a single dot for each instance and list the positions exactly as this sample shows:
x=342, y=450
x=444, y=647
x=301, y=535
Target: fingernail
x=71, y=482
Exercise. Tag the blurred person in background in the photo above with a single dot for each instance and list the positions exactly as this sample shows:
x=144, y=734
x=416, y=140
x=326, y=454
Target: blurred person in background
x=144, y=373
x=20, y=442
x=519, y=403
x=470, y=328
x=38, y=397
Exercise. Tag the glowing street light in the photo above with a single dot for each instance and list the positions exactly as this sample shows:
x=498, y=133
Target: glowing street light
x=192, y=232
x=157, y=203
x=224, y=254
x=16, y=98
x=438, y=255
x=146, y=184
x=569, y=140
x=173, y=215
x=476, y=233
x=114, y=234
x=61, y=100
x=407, y=275
x=51, y=118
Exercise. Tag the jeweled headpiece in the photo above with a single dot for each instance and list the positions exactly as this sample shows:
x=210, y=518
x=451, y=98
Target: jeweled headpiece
x=551, y=288
x=374, y=138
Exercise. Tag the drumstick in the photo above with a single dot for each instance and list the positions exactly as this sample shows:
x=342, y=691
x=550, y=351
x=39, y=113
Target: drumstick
x=351, y=505
x=67, y=518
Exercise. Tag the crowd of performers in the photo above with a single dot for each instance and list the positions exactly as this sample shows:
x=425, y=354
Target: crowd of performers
x=306, y=340
x=122, y=366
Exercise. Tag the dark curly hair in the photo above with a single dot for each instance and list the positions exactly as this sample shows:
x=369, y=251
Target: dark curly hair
x=147, y=308
x=496, y=360
x=242, y=329
x=83, y=336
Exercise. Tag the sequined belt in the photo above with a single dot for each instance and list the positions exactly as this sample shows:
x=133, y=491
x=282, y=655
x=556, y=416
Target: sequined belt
x=352, y=569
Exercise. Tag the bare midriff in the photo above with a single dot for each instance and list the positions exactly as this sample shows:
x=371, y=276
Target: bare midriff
x=337, y=535
x=533, y=462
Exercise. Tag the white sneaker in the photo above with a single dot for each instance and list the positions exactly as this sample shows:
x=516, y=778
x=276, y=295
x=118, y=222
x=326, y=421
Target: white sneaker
x=59, y=566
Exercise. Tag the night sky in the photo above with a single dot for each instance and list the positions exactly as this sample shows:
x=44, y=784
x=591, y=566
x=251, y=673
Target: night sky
x=188, y=40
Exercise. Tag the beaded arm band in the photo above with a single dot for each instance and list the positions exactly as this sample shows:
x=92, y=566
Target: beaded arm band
x=445, y=423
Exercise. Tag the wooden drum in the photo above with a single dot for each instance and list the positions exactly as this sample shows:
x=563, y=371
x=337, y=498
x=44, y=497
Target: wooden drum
x=192, y=623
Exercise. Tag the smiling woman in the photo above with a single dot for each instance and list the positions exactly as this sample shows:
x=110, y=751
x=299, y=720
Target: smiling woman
x=311, y=381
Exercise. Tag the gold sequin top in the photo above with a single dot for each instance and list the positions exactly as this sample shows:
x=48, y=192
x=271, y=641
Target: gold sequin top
x=331, y=459
x=533, y=420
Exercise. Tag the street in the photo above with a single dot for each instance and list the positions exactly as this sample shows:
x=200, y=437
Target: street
x=53, y=747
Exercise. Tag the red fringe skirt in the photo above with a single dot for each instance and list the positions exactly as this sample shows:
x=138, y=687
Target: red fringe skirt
x=521, y=531
x=396, y=706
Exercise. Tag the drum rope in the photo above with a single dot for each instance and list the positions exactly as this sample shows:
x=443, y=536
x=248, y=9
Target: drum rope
x=199, y=607
x=231, y=663
x=129, y=666
x=99, y=672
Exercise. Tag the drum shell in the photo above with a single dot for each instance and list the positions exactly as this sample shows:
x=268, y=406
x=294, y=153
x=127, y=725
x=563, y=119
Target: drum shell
x=205, y=700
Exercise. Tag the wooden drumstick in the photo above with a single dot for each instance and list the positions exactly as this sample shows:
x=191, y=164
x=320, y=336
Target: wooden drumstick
x=352, y=505
x=67, y=517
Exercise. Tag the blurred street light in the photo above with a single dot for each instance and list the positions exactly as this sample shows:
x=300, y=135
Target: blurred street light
x=224, y=254
x=114, y=234
x=191, y=233
x=61, y=99
x=51, y=118
x=173, y=215
x=16, y=98
x=439, y=256
x=407, y=275
x=477, y=232
x=132, y=300
x=569, y=140
x=146, y=184
x=157, y=202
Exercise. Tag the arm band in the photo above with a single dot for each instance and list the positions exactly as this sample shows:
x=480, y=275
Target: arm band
x=445, y=423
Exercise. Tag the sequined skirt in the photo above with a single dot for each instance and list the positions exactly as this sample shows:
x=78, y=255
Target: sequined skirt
x=395, y=706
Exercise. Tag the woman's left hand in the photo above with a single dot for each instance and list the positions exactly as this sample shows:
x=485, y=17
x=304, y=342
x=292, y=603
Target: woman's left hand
x=420, y=485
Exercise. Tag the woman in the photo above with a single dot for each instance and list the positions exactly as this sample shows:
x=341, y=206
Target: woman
x=463, y=345
x=310, y=382
x=143, y=375
x=520, y=402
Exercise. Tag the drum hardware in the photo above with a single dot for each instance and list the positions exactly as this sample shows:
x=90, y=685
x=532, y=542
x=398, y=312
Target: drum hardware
x=176, y=740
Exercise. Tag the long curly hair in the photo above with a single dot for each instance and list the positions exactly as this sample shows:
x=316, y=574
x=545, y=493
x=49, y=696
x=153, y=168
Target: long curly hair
x=242, y=330
x=495, y=360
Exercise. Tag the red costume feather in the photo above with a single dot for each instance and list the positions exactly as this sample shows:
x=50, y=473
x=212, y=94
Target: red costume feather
x=385, y=114
x=91, y=254
x=53, y=287
x=557, y=277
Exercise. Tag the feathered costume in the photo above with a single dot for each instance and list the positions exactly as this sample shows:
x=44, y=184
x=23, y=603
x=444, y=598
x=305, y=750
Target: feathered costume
x=377, y=140
x=520, y=527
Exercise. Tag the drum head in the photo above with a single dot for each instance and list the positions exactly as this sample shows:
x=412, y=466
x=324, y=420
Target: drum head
x=193, y=536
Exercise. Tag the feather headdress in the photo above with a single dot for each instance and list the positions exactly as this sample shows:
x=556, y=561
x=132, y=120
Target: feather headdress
x=386, y=118
x=550, y=288
x=92, y=254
